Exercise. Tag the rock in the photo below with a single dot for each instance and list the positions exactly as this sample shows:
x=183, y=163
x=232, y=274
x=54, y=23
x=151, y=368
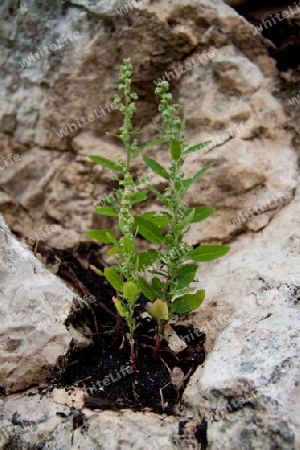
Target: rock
x=176, y=344
x=59, y=419
x=248, y=389
x=218, y=70
x=33, y=309
x=230, y=90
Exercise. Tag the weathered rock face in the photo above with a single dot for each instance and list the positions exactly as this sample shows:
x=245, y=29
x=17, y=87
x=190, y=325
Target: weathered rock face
x=248, y=389
x=34, y=305
x=59, y=421
x=225, y=84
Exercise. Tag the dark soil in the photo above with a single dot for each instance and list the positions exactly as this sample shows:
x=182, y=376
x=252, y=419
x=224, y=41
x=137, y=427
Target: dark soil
x=104, y=369
x=283, y=34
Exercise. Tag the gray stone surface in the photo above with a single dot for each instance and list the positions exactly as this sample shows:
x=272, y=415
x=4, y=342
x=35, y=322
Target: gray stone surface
x=248, y=389
x=34, y=305
x=228, y=78
x=52, y=421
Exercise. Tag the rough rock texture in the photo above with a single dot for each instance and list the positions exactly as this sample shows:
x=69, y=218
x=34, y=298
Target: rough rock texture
x=57, y=421
x=248, y=389
x=34, y=305
x=233, y=82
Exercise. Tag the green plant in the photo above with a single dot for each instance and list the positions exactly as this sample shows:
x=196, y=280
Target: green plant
x=124, y=275
x=177, y=272
x=170, y=287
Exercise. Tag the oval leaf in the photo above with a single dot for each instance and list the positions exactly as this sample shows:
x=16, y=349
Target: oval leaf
x=106, y=163
x=188, y=219
x=208, y=252
x=156, y=167
x=144, y=261
x=100, y=235
x=187, y=183
x=159, y=310
x=197, y=147
x=160, y=221
x=175, y=149
x=186, y=275
x=121, y=308
x=148, y=230
x=201, y=213
x=153, y=143
x=97, y=271
x=114, y=279
x=131, y=292
x=139, y=197
x=128, y=245
x=114, y=251
x=187, y=303
x=106, y=211
x=146, y=288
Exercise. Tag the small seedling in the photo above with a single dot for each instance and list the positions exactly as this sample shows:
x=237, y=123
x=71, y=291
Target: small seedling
x=170, y=286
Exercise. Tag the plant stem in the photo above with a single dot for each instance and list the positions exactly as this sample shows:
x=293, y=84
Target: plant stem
x=118, y=323
x=158, y=341
x=132, y=353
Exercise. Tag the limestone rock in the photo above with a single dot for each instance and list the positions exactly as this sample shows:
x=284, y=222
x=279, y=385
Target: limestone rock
x=33, y=309
x=218, y=70
x=248, y=389
x=60, y=420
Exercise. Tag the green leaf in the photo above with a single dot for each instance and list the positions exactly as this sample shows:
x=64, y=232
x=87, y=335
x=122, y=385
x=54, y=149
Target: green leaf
x=131, y=292
x=114, y=279
x=188, y=219
x=182, y=125
x=121, y=308
x=157, y=286
x=155, y=254
x=112, y=238
x=97, y=271
x=184, y=283
x=178, y=185
x=186, y=270
x=187, y=303
x=106, y=211
x=158, y=272
x=169, y=239
x=106, y=163
x=159, y=310
x=201, y=213
x=186, y=275
x=176, y=149
x=100, y=235
x=208, y=252
x=153, y=143
x=139, y=197
x=156, y=167
x=145, y=260
x=118, y=136
x=187, y=183
x=148, y=230
x=197, y=147
x=128, y=245
x=112, y=200
x=159, y=195
x=160, y=221
x=114, y=251
x=146, y=288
